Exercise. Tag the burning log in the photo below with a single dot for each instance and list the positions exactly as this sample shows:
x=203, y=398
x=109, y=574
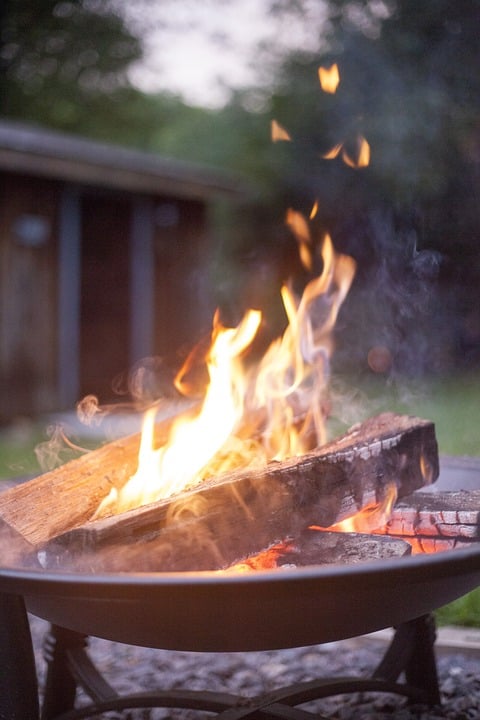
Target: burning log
x=437, y=520
x=157, y=553
x=325, y=548
x=238, y=514
x=428, y=545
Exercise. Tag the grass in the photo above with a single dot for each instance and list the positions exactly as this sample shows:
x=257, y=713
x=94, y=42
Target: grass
x=465, y=611
x=28, y=448
x=17, y=449
x=453, y=404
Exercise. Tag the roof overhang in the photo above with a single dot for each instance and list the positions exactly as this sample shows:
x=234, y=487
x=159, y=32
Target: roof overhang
x=50, y=154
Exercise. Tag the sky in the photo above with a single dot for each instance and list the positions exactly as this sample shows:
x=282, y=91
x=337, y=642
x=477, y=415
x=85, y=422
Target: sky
x=197, y=48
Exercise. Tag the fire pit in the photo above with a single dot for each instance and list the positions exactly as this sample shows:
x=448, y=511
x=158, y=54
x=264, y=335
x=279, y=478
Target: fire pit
x=145, y=543
x=258, y=611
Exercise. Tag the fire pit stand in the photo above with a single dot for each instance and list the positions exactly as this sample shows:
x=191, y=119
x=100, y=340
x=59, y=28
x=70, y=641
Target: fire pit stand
x=70, y=667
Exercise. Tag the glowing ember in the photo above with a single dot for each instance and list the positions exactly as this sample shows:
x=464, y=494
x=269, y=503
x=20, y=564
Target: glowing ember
x=278, y=132
x=329, y=78
x=361, y=158
x=265, y=560
x=371, y=517
x=333, y=153
x=358, y=158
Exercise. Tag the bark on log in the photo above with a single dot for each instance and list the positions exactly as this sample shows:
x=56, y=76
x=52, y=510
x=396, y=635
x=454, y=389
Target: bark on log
x=241, y=513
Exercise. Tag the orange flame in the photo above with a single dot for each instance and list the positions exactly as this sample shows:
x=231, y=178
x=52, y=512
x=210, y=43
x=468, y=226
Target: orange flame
x=329, y=78
x=286, y=390
x=300, y=229
x=164, y=471
x=293, y=375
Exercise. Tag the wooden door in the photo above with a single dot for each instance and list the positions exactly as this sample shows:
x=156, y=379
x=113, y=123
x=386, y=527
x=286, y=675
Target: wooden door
x=105, y=293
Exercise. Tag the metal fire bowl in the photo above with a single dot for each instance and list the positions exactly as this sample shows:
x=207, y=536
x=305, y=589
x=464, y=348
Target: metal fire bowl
x=258, y=611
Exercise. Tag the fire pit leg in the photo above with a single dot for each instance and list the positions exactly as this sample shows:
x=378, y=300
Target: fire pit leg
x=412, y=652
x=69, y=667
x=18, y=677
x=60, y=685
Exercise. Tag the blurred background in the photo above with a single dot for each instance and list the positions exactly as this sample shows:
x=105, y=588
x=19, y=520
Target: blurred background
x=140, y=189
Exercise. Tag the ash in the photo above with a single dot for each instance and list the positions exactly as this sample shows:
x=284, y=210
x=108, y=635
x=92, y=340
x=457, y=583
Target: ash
x=133, y=669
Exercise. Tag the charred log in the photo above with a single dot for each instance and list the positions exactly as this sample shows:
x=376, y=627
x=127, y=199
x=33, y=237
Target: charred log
x=154, y=555
x=326, y=548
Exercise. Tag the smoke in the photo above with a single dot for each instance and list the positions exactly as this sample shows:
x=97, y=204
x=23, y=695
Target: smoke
x=97, y=423
x=57, y=449
x=392, y=320
x=89, y=411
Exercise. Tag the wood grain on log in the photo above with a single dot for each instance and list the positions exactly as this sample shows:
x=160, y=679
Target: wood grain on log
x=241, y=513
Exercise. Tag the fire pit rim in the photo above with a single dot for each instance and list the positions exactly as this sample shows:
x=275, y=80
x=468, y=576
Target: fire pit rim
x=453, y=562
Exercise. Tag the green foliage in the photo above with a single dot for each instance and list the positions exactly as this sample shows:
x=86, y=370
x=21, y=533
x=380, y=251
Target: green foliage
x=60, y=61
x=17, y=450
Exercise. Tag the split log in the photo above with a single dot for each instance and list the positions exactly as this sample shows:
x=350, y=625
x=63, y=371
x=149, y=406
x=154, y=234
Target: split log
x=238, y=514
x=67, y=496
x=447, y=514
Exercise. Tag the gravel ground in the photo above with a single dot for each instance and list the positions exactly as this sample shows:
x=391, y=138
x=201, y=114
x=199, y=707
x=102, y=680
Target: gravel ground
x=132, y=669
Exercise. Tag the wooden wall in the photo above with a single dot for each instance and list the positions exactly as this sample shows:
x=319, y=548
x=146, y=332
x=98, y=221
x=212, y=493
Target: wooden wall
x=105, y=292
x=28, y=238
x=91, y=281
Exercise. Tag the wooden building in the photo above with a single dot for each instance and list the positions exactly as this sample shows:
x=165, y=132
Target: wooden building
x=102, y=263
